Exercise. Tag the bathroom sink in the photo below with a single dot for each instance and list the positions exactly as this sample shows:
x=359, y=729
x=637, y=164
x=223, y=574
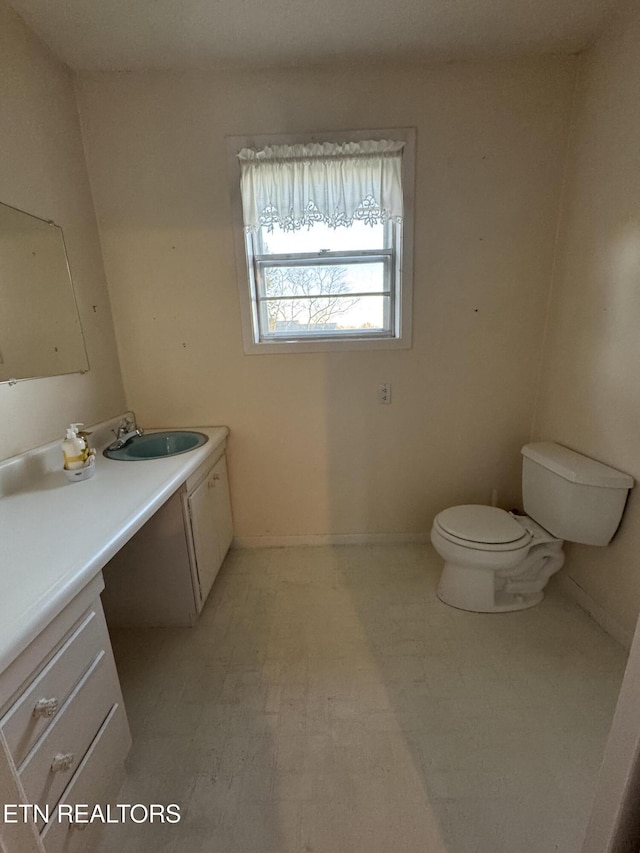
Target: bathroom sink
x=157, y=445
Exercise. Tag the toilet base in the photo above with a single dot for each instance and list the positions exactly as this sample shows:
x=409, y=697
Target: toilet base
x=475, y=590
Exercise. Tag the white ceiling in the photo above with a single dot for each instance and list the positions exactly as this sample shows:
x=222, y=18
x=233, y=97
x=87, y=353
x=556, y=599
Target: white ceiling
x=158, y=34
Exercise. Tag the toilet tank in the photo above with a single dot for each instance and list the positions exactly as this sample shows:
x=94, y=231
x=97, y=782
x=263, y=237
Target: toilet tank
x=572, y=496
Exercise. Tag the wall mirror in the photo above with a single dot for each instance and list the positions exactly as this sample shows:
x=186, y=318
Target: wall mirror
x=40, y=332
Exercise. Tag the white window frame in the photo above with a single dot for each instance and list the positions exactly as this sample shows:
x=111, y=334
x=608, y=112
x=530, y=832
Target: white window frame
x=402, y=272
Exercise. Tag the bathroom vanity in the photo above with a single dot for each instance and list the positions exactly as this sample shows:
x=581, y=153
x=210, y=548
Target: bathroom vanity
x=163, y=575
x=63, y=727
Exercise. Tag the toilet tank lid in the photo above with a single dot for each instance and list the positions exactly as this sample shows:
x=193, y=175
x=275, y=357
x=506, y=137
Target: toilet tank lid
x=575, y=467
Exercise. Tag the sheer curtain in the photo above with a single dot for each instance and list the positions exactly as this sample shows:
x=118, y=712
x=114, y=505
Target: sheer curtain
x=294, y=186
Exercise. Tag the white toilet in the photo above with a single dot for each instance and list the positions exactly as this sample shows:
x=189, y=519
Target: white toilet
x=497, y=561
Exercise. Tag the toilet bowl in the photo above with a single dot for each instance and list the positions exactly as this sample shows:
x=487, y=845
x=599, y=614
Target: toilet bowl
x=495, y=561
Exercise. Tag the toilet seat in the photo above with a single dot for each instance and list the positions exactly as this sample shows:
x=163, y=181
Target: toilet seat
x=482, y=528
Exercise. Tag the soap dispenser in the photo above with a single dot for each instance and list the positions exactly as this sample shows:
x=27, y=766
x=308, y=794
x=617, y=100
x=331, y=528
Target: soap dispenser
x=75, y=449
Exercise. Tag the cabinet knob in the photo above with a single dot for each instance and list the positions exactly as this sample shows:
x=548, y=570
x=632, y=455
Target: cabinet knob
x=46, y=708
x=212, y=481
x=62, y=762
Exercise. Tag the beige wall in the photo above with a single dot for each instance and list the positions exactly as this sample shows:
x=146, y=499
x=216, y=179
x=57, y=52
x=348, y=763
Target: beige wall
x=590, y=395
x=311, y=450
x=42, y=171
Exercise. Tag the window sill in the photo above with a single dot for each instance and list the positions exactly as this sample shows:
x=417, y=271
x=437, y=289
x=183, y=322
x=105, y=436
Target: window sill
x=345, y=345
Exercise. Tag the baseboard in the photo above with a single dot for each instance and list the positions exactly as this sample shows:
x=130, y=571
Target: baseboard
x=597, y=613
x=330, y=539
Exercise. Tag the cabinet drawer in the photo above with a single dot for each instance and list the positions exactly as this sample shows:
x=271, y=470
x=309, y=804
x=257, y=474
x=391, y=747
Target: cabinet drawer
x=103, y=761
x=70, y=734
x=19, y=726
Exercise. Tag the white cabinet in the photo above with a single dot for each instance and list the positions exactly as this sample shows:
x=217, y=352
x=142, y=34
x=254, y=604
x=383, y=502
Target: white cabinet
x=208, y=515
x=62, y=695
x=164, y=574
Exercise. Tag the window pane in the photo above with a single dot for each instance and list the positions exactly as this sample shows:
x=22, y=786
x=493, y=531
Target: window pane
x=321, y=238
x=324, y=279
x=337, y=315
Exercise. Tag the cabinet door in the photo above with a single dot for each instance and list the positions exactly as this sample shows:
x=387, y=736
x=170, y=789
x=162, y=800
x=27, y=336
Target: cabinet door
x=211, y=524
x=222, y=506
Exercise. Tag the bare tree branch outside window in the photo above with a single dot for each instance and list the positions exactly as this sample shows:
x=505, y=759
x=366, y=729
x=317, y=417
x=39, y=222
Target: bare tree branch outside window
x=318, y=296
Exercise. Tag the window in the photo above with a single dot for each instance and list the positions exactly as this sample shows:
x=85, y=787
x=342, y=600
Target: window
x=324, y=258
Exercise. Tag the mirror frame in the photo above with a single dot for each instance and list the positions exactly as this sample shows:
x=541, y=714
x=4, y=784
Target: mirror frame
x=80, y=370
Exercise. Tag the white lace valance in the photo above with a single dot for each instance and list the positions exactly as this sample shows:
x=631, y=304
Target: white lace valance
x=294, y=186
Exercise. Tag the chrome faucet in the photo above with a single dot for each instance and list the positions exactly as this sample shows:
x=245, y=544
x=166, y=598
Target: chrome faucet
x=125, y=432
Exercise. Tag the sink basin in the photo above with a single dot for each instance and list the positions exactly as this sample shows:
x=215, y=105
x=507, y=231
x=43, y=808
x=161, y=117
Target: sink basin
x=157, y=445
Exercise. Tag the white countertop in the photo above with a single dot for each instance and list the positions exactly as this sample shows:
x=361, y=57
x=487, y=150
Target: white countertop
x=55, y=536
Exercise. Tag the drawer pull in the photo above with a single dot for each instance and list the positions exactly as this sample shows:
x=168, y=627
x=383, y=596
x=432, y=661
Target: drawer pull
x=62, y=762
x=46, y=708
